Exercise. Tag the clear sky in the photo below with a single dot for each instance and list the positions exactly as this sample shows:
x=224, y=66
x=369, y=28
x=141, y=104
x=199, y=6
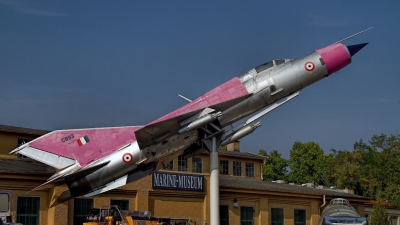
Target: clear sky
x=78, y=64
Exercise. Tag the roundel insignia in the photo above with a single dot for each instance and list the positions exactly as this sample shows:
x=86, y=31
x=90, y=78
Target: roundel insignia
x=309, y=66
x=127, y=158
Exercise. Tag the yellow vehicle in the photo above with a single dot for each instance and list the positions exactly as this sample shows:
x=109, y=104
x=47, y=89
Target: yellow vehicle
x=113, y=215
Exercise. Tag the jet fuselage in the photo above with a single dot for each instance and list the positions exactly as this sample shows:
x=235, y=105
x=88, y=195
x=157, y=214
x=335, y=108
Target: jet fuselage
x=93, y=161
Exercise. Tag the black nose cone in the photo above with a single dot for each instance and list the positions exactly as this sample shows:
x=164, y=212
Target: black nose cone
x=353, y=49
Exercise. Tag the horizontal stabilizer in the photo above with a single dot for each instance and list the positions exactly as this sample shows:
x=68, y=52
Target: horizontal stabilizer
x=85, y=171
x=134, y=175
x=114, y=184
x=60, y=179
x=49, y=184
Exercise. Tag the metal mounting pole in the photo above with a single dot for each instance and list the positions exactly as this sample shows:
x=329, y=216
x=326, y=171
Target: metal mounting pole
x=214, y=183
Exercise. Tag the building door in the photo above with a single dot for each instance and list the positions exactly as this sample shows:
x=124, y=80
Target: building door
x=223, y=215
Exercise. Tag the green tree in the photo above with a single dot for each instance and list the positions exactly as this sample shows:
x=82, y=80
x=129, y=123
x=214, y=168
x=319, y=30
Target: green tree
x=276, y=166
x=346, y=170
x=263, y=152
x=328, y=173
x=380, y=167
x=370, y=175
x=379, y=215
x=222, y=148
x=307, y=163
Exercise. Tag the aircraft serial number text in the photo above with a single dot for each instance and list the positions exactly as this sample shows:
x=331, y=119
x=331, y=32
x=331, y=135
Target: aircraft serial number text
x=67, y=138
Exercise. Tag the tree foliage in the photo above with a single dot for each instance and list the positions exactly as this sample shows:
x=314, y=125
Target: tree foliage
x=342, y=170
x=276, y=166
x=222, y=148
x=379, y=215
x=380, y=166
x=371, y=169
x=307, y=163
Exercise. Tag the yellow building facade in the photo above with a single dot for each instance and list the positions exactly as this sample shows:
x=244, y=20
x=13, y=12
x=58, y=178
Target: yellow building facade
x=181, y=190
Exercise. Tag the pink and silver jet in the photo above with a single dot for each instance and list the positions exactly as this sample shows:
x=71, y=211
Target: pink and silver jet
x=93, y=161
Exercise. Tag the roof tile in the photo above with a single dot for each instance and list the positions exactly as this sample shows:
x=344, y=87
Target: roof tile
x=21, y=130
x=24, y=166
x=242, y=155
x=251, y=183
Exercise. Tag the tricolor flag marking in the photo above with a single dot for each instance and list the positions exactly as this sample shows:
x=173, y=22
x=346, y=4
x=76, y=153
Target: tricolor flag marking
x=83, y=140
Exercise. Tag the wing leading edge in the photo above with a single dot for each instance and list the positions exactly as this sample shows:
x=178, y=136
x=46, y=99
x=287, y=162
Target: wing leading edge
x=219, y=99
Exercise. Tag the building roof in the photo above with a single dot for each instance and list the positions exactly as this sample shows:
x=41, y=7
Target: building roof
x=251, y=183
x=242, y=155
x=21, y=130
x=24, y=166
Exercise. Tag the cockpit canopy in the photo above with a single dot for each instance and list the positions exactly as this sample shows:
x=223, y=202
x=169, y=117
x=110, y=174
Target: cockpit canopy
x=267, y=65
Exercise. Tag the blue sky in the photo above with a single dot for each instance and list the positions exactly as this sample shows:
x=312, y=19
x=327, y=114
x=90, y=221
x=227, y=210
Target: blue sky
x=77, y=64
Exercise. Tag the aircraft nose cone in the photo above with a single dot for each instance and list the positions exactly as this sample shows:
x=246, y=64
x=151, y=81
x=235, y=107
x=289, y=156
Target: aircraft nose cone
x=353, y=49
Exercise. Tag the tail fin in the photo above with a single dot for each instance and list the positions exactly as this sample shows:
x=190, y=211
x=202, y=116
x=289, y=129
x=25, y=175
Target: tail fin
x=63, y=148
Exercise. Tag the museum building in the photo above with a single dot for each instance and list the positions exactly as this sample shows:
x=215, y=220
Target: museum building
x=180, y=190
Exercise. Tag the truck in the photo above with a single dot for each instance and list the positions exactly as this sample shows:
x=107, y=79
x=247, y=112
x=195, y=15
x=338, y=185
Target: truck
x=5, y=208
x=113, y=215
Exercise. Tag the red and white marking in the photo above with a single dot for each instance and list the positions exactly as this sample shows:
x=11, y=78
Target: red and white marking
x=309, y=66
x=127, y=158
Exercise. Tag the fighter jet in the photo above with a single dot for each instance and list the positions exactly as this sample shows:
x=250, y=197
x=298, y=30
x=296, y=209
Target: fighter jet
x=93, y=161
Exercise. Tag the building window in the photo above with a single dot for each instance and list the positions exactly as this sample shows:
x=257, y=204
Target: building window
x=246, y=215
x=224, y=167
x=169, y=166
x=223, y=215
x=122, y=203
x=22, y=156
x=249, y=169
x=197, y=165
x=299, y=217
x=182, y=164
x=394, y=220
x=81, y=209
x=28, y=210
x=22, y=141
x=237, y=169
x=276, y=216
x=4, y=201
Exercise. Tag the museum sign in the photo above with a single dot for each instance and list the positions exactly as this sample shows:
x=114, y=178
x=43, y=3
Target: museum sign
x=178, y=181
